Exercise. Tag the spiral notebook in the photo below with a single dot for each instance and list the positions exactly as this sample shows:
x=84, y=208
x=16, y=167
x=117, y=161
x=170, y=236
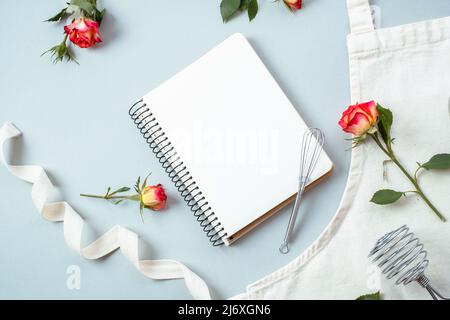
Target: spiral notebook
x=228, y=138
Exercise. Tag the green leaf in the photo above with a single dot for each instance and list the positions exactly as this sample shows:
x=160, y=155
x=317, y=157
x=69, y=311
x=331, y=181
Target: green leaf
x=85, y=5
x=123, y=189
x=228, y=8
x=244, y=5
x=438, y=161
x=252, y=9
x=59, y=53
x=118, y=201
x=98, y=15
x=144, y=184
x=137, y=186
x=370, y=296
x=385, y=120
x=60, y=15
x=386, y=196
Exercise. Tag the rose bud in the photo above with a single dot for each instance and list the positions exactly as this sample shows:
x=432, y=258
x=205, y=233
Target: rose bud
x=293, y=4
x=358, y=119
x=83, y=32
x=154, y=197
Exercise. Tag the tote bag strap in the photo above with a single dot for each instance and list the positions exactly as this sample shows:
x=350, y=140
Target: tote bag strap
x=360, y=16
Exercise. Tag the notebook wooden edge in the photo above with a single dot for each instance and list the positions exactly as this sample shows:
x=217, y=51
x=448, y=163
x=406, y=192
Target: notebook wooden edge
x=237, y=235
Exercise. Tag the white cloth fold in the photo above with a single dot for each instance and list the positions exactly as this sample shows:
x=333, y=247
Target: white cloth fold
x=117, y=237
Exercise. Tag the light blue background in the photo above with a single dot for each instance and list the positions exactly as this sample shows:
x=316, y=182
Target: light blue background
x=76, y=125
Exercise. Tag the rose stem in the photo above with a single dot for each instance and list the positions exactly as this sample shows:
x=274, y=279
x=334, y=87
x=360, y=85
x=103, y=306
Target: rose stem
x=391, y=155
x=108, y=197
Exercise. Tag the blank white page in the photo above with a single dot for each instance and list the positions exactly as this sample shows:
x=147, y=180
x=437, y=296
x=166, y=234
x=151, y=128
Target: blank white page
x=236, y=131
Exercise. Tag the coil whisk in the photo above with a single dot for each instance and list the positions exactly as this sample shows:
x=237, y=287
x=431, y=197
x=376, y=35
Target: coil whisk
x=401, y=256
x=176, y=170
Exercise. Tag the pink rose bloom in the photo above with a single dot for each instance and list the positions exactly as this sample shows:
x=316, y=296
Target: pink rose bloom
x=83, y=32
x=359, y=118
x=293, y=4
x=154, y=197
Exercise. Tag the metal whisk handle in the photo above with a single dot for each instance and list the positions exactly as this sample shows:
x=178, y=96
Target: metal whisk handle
x=284, y=248
x=426, y=283
x=401, y=256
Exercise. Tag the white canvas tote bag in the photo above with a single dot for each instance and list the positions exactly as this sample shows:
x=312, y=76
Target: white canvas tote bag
x=407, y=69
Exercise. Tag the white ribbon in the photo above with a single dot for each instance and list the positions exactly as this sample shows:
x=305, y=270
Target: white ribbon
x=117, y=237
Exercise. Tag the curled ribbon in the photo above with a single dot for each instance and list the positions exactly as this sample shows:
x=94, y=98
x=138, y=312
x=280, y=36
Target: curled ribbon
x=117, y=237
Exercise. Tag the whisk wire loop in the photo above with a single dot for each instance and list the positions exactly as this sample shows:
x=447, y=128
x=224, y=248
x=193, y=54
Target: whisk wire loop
x=402, y=256
x=311, y=148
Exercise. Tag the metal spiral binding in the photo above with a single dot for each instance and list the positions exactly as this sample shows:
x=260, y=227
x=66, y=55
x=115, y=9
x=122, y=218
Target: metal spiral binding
x=401, y=256
x=177, y=171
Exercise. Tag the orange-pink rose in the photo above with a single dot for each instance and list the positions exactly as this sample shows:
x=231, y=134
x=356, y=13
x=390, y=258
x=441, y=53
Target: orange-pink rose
x=83, y=32
x=359, y=118
x=154, y=197
x=293, y=4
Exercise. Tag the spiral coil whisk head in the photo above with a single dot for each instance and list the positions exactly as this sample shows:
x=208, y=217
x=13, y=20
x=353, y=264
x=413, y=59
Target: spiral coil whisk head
x=400, y=255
